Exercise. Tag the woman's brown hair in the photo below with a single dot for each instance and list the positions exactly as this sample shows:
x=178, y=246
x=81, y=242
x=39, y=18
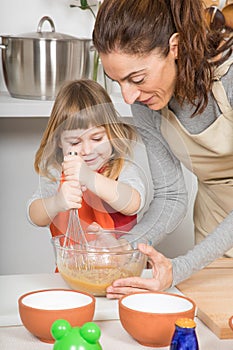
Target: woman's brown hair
x=139, y=26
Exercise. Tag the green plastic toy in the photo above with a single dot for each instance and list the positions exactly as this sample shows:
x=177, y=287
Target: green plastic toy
x=75, y=338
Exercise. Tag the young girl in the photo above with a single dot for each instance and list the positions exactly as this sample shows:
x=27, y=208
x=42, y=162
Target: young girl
x=108, y=181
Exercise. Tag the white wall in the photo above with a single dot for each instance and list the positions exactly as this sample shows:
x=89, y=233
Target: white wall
x=24, y=248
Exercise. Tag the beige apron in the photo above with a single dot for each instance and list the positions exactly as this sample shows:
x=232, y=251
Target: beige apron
x=209, y=155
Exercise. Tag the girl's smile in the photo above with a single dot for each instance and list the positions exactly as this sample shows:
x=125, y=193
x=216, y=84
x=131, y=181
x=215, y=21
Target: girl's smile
x=91, y=144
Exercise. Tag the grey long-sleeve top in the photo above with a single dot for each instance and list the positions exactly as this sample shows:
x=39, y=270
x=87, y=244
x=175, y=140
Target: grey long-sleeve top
x=170, y=198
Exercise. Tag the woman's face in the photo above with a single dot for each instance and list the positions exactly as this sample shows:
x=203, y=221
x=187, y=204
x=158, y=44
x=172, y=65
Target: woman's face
x=149, y=79
x=91, y=144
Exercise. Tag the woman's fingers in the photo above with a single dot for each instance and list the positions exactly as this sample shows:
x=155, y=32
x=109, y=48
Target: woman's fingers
x=121, y=292
x=131, y=285
x=148, y=250
x=161, y=266
x=135, y=282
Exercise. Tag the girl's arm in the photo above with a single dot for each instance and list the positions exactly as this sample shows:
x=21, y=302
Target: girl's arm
x=41, y=211
x=119, y=195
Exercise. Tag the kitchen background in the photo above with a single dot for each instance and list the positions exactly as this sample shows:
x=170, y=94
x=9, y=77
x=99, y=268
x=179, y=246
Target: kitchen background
x=24, y=248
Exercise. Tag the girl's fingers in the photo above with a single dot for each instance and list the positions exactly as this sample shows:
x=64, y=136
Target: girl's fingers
x=93, y=228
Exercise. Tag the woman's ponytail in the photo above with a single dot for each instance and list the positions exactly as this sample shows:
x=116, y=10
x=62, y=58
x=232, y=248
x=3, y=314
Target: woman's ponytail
x=194, y=68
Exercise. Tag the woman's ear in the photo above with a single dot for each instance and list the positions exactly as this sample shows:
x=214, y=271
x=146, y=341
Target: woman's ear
x=173, y=44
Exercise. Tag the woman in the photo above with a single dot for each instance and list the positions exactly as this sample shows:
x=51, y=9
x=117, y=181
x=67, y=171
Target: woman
x=177, y=75
x=111, y=164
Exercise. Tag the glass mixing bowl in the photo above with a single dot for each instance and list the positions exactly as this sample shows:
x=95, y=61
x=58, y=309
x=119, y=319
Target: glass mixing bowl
x=94, y=267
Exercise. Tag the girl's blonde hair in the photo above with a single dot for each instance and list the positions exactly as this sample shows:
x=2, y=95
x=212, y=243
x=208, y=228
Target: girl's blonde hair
x=81, y=104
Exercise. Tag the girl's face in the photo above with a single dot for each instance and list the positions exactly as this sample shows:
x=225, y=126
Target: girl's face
x=91, y=144
x=149, y=79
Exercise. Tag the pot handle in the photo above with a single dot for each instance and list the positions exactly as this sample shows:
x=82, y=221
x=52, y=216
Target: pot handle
x=43, y=19
x=2, y=46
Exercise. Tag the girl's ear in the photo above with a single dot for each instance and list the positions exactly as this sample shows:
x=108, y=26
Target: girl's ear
x=173, y=43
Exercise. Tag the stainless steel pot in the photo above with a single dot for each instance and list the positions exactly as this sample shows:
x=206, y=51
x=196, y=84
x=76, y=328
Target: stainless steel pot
x=36, y=64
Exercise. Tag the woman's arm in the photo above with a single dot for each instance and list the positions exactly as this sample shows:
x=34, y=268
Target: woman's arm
x=170, y=201
x=167, y=273
x=212, y=247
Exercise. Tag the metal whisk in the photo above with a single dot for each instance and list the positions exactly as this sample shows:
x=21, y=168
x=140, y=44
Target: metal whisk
x=74, y=233
x=75, y=240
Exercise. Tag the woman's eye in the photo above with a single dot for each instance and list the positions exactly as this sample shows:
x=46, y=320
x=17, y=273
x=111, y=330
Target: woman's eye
x=74, y=143
x=138, y=80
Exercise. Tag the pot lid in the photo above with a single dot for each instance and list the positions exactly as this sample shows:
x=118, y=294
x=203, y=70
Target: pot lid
x=52, y=35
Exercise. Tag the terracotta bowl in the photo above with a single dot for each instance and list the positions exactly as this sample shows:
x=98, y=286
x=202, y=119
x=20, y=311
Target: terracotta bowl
x=39, y=309
x=150, y=317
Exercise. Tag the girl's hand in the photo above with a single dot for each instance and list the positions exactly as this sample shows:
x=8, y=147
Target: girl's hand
x=106, y=239
x=75, y=168
x=69, y=196
x=162, y=276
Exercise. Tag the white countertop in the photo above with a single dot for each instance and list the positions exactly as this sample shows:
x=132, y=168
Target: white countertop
x=15, y=107
x=113, y=336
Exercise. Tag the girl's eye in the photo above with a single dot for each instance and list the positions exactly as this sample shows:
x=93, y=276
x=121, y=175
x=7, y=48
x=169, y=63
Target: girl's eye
x=97, y=139
x=74, y=143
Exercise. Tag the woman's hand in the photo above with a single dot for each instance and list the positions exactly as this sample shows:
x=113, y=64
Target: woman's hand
x=162, y=276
